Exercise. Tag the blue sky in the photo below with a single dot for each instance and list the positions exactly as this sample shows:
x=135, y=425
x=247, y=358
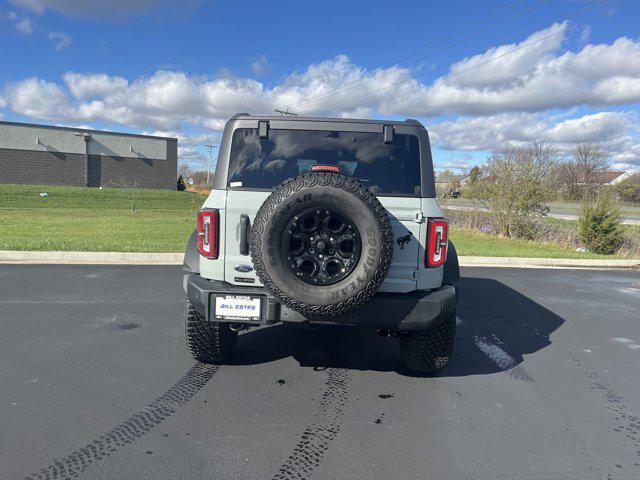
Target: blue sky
x=480, y=75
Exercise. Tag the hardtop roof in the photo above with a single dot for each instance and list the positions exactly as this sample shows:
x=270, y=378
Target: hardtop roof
x=408, y=121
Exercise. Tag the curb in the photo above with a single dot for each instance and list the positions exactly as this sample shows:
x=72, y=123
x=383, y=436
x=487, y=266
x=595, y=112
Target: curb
x=133, y=258
x=516, y=262
x=92, y=258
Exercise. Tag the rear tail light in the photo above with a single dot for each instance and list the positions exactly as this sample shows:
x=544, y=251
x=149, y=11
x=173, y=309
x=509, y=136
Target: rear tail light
x=437, y=238
x=208, y=230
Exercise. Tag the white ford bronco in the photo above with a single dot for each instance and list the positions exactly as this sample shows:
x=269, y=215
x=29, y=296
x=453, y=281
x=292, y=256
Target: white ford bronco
x=320, y=220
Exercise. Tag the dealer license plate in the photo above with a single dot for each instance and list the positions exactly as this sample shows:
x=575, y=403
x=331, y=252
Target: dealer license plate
x=237, y=307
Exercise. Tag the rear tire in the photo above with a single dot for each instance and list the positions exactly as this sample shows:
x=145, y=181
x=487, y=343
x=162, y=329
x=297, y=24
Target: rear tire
x=429, y=351
x=208, y=342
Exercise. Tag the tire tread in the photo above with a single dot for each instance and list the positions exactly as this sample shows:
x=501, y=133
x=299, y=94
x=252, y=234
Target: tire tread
x=208, y=342
x=347, y=184
x=429, y=351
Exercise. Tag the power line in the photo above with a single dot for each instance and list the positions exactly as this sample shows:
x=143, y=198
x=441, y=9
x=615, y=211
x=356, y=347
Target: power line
x=570, y=14
x=398, y=65
x=453, y=74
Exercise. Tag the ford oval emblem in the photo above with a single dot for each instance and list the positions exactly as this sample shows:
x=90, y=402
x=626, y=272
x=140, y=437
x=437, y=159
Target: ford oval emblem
x=243, y=268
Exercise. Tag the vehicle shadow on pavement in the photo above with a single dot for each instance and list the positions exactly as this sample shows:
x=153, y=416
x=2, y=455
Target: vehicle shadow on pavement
x=489, y=312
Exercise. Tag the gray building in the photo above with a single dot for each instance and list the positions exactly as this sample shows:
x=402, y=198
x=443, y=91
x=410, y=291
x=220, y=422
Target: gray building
x=48, y=155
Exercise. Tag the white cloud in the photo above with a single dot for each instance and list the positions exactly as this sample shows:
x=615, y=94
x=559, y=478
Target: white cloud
x=458, y=163
x=93, y=85
x=320, y=80
x=617, y=132
x=192, y=139
x=101, y=8
x=22, y=24
x=492, y=132
x=38, y=98
x=191, y=153
x=501, y=102
x=597, y=75
x=512, y=68
x=534, y=79
x=595, y=128
x=526, y=76
x=191, y=146
x=585, y=35
x=62, y=40
x=260, y=66
x=80, y=126
x=214, y=123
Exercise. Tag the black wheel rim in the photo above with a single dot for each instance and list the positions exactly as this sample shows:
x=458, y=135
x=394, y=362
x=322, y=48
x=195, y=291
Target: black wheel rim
x=322, y=247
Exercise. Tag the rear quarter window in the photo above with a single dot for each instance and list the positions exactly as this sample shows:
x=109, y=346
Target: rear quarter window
x=386, y=169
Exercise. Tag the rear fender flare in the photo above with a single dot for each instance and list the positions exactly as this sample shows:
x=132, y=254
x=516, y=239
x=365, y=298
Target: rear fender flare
x=451, y=274
x=191, y=263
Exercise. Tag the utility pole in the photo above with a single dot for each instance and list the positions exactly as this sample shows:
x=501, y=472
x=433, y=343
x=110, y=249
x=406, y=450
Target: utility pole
x=210, y=147
x=286, y=112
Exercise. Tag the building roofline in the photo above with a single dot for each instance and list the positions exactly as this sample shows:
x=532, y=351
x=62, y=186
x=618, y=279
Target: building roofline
x=72, y=129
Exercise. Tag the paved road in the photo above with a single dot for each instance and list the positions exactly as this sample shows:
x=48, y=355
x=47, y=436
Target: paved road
x=565, y=211
x=96, y=383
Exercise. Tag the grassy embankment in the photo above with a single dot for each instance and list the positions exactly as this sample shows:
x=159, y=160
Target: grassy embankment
x=83, y=219
x=89, y=219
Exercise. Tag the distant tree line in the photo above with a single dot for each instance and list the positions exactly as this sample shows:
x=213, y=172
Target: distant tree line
x=515, y=185
x=194, y=178
x=576, y=176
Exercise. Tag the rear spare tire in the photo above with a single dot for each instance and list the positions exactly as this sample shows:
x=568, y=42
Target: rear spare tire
x=322, y=244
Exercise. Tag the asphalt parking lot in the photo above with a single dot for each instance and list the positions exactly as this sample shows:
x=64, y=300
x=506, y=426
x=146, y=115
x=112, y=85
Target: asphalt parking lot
x=97, y=383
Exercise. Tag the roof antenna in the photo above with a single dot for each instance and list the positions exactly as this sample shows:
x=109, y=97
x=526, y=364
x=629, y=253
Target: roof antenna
x=286, y=112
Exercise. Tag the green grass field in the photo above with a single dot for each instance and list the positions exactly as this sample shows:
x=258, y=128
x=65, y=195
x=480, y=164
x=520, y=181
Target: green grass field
x=83, y=219
x=473, y=242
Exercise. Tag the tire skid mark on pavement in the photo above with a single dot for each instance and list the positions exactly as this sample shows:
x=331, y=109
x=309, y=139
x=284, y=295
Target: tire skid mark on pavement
x=323, y=429
x=628, y=421
x=492, y=349
x=507, y=363
x=131, y=429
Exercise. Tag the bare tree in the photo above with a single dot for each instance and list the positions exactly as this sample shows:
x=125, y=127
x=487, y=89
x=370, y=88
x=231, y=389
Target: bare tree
x=447, y=181
x=130, y=189
x=515, y=187
x=199, y=177
x=578, y=175
x=185, y=170
x=446, y=176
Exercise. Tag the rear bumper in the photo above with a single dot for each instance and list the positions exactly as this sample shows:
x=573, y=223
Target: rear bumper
x=419, y=310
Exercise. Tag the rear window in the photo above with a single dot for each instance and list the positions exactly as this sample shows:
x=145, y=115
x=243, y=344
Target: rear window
x=386, y=169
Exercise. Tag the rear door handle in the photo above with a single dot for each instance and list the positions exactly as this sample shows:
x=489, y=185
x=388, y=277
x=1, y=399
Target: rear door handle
x=245, y=226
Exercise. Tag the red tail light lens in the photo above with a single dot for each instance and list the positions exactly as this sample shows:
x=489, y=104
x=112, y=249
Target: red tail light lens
x=325, y=168
x=437, y=238
x=208, y=230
